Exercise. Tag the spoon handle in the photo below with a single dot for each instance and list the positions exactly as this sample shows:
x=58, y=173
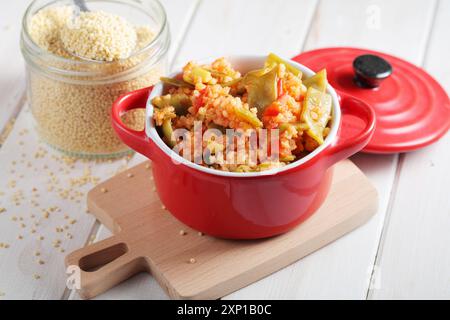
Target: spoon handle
x=81, y=4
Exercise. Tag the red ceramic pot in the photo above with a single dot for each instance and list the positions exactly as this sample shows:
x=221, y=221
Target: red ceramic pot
x=246, y=205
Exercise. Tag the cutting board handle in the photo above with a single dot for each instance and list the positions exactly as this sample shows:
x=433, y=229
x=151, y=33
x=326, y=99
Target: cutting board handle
x=103, y=265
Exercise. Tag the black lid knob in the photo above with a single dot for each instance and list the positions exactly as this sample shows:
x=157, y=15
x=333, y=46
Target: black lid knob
x=370, y=70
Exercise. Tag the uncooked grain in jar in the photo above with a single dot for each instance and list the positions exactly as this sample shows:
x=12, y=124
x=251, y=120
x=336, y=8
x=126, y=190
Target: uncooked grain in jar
x=76, y=118
x=72, y=106
x=99, y=36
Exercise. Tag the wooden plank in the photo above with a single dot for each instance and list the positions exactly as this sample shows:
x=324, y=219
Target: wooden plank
x=343, y=269
x=61, y=187
x=12, y=77
x=397, y=27
x=244, y=36
x=179, y=14
x=246, y=27
x=143, y=286
x=415, y=254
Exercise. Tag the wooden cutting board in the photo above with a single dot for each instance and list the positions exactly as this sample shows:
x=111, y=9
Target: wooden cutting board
x=192, y=266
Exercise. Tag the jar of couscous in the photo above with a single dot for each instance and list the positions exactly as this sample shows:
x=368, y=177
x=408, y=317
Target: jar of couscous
x=81, y=58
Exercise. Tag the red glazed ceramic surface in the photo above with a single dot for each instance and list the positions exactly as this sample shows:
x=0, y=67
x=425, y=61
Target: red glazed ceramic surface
x=245, y=206
x=412, y=109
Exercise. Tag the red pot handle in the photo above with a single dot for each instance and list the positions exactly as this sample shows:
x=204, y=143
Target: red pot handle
x=136, y=140
x=357, y=127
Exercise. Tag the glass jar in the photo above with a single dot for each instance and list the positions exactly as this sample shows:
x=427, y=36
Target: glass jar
x=71, y=98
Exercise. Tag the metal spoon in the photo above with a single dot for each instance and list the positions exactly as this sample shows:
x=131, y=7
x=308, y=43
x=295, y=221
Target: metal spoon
x=81, y=4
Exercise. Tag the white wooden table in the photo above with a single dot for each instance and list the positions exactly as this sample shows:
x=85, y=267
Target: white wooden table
x=403, y=252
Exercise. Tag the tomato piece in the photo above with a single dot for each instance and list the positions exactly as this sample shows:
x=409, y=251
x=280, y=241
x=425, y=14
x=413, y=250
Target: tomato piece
x=280, y=88
x=199, y=101
x=272, y=110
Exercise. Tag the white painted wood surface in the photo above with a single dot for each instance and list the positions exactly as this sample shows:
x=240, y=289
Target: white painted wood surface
x=402, y=252
x=414, y=259
x=19, y=164
x=12, y=76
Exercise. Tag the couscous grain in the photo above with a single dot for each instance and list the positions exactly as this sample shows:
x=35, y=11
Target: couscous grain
x=110, y=37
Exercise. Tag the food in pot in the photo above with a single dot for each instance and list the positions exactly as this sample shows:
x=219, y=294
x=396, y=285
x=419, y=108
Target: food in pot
x=94, y=55
x=273, y=100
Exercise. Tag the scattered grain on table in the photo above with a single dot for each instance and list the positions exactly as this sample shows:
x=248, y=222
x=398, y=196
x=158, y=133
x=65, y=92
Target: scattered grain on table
x=31, y=208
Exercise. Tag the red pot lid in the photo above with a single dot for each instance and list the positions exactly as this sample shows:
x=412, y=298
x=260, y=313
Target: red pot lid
x=412, y=109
